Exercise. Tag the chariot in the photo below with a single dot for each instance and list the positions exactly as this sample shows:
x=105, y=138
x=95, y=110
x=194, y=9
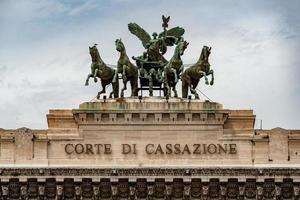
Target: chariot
x=150, y=76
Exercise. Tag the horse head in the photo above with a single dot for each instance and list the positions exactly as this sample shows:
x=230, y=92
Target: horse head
x=205, y=54
x=119, y=45
x=94, y=53
x=181, y=46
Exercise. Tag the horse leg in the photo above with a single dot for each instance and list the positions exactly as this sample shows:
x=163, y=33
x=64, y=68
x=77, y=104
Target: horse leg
x=185, y=79
x=111, y=94
x=175, y=82
x=102, y=91
x=124, y=87
x=151, y=82
x=212, y=76
x=159, y=76
x=165, y=81
x=115, y=87
x=175, y=75
x=115, y=77
x=95, y=75
x=150, y=86
x=193, y=89
x=205, y=76
x=87, y=79
x=175, y=91
x=133, y=85
x=206, y=79
x=167, y=87
x=194, y=92
x=184, y=89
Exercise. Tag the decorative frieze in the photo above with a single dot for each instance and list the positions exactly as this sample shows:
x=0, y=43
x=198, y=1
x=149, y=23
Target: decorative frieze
x=32, y=188
x=106, y=118
x=141, y=188
x=153, y=172
x=87, y=188
x=50, y=188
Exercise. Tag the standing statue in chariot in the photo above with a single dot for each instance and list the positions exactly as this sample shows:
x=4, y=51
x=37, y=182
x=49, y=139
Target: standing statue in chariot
x=152, y=62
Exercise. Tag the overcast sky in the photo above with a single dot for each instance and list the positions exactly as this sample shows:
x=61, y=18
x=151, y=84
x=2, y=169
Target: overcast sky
x=44, y=57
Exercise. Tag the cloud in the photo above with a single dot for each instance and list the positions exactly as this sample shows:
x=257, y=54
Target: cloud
x=83, y=8
x=44, y=56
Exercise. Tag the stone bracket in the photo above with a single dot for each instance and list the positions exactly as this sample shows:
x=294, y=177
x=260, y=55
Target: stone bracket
x=105, y=118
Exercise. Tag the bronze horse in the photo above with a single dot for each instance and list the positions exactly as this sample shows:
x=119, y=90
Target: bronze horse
x=106, y=74
x=174, y=68
x=127, y=69
x=191, y=76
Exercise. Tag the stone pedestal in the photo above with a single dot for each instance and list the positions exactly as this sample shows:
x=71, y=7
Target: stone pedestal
x=147, y=148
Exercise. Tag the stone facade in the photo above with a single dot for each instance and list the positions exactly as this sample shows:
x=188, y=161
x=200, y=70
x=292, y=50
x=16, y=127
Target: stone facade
x=150, y=148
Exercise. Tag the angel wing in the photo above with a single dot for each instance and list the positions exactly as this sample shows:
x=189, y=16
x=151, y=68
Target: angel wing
x=139, y=32
x=175, y=32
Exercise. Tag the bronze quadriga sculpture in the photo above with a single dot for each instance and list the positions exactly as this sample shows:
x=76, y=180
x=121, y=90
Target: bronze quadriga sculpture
x=152, y=69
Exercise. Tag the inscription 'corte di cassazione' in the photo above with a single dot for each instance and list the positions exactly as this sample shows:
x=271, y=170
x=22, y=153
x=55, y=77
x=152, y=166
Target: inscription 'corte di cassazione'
x=152, y=149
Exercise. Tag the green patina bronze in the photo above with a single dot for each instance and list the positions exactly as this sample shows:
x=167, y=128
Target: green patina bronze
x=156, y=46
x=191, y=76
x=173, y=69
x=128, y=70
x=106, y=74
x=152, y=69
x=151, y=63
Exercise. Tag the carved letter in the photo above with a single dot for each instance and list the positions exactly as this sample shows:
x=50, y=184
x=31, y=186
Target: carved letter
x=89, y=149
x=169, y=149
x=196, y=150
x=134, y=148
x=204, y=148
x=79, y=148
x=126, y=148
x=186, y=149
x=68, y=150
x=177, y=149
x=107, y=148
x=147, y=148
x=212, y=148
x=232, y=149
x=98, y=147
x=221, y=148
x=159, y=149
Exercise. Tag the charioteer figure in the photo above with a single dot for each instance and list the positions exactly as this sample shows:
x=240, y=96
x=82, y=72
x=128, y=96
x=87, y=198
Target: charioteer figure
x=152, y=62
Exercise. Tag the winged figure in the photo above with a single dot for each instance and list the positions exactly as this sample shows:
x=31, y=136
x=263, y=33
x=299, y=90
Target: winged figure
x=156, y=46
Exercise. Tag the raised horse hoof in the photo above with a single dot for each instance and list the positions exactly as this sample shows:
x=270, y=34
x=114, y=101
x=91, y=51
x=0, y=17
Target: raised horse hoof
x=86, y=83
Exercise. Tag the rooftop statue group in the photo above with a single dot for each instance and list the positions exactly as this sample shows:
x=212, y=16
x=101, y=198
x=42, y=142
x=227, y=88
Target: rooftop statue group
x=152, y=70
